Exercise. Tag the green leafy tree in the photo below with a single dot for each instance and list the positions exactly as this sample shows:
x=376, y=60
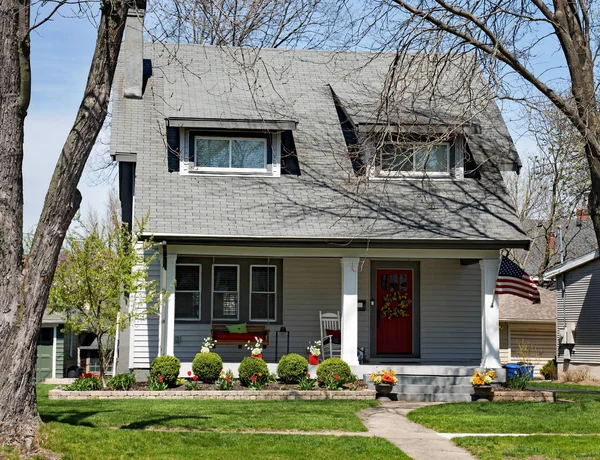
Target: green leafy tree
x=100, y=264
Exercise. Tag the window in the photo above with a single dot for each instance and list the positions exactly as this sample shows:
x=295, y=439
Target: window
x=187, y=292
x=216, y=153
x=399, y=159
x=263, y=293
x=225, y=291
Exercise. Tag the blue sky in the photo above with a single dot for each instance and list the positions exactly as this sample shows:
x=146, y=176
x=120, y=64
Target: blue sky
x=61, y=53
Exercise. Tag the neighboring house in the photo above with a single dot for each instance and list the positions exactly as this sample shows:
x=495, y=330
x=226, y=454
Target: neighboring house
x=56, y=350
x=578, y=312
x=270, y=205
x=528, y=331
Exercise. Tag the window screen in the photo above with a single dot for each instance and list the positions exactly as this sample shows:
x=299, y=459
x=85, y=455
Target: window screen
x=225, y=291
x=187, y=292
x=263, y=294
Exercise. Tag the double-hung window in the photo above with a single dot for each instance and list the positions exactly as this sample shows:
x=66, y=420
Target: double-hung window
x=263, y=293
x=187, y=292
x=226, y=289
x=414, y=158
x=234, y=153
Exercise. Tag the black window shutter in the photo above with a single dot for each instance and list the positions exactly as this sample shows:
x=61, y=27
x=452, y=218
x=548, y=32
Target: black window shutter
x=173, y=151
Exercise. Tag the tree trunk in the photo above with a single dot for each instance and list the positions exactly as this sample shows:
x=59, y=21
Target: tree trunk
x=25, y=285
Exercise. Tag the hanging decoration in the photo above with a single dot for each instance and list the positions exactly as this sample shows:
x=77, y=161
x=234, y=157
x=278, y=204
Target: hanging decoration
x=395, y=305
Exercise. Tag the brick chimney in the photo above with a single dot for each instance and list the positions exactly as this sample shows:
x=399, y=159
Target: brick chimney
x=133, y=50
x=582, y=214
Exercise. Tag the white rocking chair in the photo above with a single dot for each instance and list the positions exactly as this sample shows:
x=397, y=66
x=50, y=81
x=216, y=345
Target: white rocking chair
x=330, y=322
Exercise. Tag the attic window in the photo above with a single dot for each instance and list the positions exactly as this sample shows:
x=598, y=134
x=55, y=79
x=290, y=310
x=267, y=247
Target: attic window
x=414, y=158
x=218, y=153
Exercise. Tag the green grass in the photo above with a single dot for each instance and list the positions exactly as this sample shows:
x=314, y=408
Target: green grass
x=75, y=442
x=538, y=447
x=205, y=415
x=142, y=429
x=580, y=416
x=564, y=385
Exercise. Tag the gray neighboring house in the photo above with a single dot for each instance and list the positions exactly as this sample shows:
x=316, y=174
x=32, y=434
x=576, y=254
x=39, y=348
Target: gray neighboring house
x=270, y=205
x=578, y=312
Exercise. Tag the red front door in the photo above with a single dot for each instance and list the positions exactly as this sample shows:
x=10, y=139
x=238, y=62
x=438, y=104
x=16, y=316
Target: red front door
x=394, y=311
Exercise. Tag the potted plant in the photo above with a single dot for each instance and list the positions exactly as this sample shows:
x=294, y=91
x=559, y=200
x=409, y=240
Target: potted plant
x=481, y=382
x=314, y=352
x=256, y=349
x=384, y=381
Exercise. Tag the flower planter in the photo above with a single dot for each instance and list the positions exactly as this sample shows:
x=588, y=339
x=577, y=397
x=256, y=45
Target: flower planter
x=313, y=360
x=383, y=389
x=257, y=356
x=483, y=392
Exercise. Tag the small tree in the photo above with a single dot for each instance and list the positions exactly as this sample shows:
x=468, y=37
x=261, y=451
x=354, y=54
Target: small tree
x=99, y=265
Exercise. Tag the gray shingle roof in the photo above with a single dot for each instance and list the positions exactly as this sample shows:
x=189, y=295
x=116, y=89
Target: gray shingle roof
x=326, y=200
x=513, y=308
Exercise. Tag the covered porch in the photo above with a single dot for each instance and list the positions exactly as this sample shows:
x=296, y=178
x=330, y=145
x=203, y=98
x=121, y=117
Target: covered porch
x=452, y=318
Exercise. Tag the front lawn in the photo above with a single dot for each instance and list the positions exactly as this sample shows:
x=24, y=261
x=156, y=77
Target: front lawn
x=204, y=415
x=580, y=416
x=75, y=442
x=142, y=429
x=538, y=447
x=558, y=385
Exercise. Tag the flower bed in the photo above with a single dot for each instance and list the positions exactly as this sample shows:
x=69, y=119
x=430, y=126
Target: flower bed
x=269, y=394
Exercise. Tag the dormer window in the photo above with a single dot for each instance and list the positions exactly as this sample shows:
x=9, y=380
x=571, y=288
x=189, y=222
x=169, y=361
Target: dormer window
x=230, y=153
x=399, y=159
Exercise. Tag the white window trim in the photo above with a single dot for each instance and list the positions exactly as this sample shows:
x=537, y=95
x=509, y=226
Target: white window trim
x=230, y=168
x=263, y=292
x=199, y=292
x=187, y=168
x=415, y=173
x=212, y=295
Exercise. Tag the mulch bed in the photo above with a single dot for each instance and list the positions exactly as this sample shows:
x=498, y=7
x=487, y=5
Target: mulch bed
x=141, y=386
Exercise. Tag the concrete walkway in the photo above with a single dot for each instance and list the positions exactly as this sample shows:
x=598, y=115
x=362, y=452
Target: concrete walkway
x=389, y=421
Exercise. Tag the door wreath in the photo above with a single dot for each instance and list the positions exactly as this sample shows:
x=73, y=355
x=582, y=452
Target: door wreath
x=395, y=305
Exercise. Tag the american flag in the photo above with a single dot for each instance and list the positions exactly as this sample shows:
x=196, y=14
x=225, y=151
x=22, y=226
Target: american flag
x=512, y=279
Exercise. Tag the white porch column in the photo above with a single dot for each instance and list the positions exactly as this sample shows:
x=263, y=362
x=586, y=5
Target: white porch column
x=350, y=309
x=490, y=319
x=169, y=337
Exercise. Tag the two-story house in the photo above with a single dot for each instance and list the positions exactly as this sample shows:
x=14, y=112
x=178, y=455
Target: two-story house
x=279, y=191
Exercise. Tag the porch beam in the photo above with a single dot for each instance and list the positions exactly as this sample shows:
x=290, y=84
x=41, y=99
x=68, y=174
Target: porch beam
x=169, y=337
x=490, y=318
x=350, y=309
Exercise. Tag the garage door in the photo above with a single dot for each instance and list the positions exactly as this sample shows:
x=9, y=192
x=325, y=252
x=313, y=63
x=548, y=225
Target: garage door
x=43, y=369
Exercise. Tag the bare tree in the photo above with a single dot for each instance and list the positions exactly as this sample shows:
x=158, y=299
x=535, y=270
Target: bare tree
x=258, y=23
x=506, y=38
x=554, y=183
x=25, y=281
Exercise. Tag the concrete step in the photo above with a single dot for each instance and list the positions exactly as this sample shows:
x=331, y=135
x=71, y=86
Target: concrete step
x=431, y=389
x=434, y=397
x=422, y=370
x=438, y=380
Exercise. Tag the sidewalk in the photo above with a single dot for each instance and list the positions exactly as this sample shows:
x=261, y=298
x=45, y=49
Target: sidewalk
x=389, y=421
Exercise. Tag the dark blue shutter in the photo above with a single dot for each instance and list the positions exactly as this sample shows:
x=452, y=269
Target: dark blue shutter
x=173, y=151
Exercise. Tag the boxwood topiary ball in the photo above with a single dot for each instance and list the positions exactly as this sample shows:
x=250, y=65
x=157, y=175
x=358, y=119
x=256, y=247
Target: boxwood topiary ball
x=292, y=368
x=253, y=366
x=166, y=367
x=331, y=367
x=207, y=366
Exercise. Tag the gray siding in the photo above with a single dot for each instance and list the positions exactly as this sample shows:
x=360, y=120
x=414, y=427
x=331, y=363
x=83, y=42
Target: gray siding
x=532, y=342
x=450, y=312
x=580, y=304
x=60, y=351
x=144, y=330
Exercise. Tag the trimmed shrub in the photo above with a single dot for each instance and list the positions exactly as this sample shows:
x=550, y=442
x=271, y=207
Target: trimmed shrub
x=549, y=370
x=207, y=367
x=292, y=368
x=332, y=367
x=166, y=367
x=253, y=367
x=121, y=382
